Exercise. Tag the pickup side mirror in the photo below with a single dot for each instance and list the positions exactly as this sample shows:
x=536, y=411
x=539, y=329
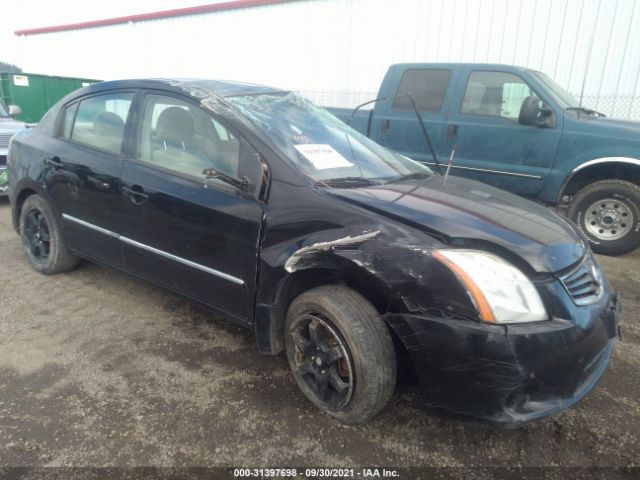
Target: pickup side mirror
x=14, y=110
x=535, y=113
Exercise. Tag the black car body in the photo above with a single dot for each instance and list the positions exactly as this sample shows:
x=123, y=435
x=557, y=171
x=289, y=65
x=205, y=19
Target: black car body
x=122, y=182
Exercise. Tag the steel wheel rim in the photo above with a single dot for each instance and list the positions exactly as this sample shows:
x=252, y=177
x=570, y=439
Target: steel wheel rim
x=37, y=235
x=322, y=361
x=609, y=219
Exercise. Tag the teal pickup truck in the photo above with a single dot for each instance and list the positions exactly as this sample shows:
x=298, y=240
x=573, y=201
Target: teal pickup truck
x=518, y=130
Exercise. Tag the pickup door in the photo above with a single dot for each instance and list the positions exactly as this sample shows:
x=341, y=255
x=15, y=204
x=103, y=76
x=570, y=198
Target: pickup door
x=394, y=123
x=491, y=146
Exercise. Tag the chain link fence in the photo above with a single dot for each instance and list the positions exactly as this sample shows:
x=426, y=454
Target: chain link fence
x=616, y=106
x=625, y=107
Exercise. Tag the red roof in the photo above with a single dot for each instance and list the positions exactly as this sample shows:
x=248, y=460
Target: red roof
x=141, y=17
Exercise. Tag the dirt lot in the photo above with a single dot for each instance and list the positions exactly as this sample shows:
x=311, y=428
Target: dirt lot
x=97, y=368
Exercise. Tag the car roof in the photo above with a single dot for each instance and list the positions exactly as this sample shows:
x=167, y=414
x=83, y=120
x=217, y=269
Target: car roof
x=196, y=87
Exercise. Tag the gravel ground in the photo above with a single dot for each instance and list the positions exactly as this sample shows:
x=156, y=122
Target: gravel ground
x=100, y=369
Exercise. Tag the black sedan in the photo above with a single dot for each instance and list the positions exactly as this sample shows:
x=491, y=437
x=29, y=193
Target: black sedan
x=272, y=212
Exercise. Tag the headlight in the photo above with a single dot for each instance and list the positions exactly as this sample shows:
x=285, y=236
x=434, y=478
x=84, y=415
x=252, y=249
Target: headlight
x=501, y=292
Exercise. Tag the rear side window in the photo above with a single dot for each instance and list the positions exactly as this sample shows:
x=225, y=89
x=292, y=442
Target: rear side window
x=495, y=94
x=99, y=121
x=426, y=87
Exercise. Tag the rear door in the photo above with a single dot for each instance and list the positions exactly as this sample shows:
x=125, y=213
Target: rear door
x=82, y=170
x=491, y=145
x=194, y=235
x=394, y=123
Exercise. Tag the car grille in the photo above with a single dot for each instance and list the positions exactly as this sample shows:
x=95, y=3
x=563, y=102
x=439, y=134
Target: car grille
x=583, y=283
x=4, y=139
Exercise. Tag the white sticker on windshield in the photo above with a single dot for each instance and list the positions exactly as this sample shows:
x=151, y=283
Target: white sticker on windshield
x=323, y=156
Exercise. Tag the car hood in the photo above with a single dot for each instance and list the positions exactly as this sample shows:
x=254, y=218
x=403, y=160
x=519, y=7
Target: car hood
x=467, y=210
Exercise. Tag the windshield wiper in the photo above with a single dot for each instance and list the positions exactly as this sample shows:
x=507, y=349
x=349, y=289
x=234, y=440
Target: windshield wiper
x=588, y=111
x=348, y=182
x=410, y=176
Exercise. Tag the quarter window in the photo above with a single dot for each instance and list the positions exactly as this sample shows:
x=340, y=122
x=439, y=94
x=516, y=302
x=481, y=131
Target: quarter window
x=426, y=87
x=181, y=137
x=100, y=121
x=495, y=94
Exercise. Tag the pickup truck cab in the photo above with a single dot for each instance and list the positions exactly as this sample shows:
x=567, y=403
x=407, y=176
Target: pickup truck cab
x=518, y=130
x=8, y=128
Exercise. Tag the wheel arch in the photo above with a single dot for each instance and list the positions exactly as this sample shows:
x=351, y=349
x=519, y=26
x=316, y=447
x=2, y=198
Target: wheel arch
x=604, y=168
x=270, y=319
x=24, y=190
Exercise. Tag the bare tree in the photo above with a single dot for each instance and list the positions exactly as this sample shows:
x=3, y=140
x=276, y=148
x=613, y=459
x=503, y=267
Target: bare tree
x=9, y=67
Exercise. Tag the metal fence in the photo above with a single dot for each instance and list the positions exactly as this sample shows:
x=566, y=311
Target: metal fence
x=616, y=106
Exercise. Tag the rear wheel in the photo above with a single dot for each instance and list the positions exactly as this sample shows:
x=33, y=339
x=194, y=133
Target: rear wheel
x=340, y=353
x=42, y=238
x=608, y=213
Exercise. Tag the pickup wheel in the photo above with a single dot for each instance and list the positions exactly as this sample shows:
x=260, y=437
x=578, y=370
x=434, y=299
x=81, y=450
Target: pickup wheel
x=340, y=353
x=42, y=239
x=608, y=213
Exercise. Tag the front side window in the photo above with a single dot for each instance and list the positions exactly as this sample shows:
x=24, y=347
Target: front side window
x=182, y=137
x=426, y=87
x=100, y=120
x=495, y=94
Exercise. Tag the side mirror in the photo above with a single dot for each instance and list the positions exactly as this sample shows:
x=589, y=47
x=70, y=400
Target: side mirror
x=535, y=113
x=14, y=110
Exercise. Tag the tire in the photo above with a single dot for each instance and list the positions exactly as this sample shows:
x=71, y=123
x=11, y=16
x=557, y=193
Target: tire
x=42, y=239
x=608, y=213
x=353, y=346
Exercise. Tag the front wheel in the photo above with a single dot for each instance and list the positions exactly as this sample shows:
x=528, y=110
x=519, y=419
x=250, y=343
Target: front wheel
x=608, y=213
x=340, y=353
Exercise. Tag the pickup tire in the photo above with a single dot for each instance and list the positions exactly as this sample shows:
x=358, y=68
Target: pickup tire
x=340, y=353
x=608, y=213
x=42, y=238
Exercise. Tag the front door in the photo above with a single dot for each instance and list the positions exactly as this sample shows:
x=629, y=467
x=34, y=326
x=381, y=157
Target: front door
x=82, y=179
x=194, y=235
x=491, y=146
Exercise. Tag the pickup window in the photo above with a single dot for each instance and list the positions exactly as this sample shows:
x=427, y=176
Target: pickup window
x=495, y=94
x=427, y=87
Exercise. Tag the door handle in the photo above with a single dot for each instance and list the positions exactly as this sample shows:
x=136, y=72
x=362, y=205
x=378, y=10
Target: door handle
x=135, y=193
x=385, y=125
x=452, y=132
x=54, y=162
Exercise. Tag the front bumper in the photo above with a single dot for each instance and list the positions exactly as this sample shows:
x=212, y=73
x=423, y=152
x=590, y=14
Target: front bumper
x=509, y=374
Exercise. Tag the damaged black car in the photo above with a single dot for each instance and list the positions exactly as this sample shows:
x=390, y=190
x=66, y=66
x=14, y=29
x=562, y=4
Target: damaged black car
x=347, y=256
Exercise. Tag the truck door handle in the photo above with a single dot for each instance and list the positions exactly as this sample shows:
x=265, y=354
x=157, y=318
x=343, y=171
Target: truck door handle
x=54, y=162
x=135, y=193
x=452, y=132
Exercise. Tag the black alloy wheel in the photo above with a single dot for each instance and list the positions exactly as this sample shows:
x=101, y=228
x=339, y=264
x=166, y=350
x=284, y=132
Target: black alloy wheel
x=37, y=235
x=322, y=361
